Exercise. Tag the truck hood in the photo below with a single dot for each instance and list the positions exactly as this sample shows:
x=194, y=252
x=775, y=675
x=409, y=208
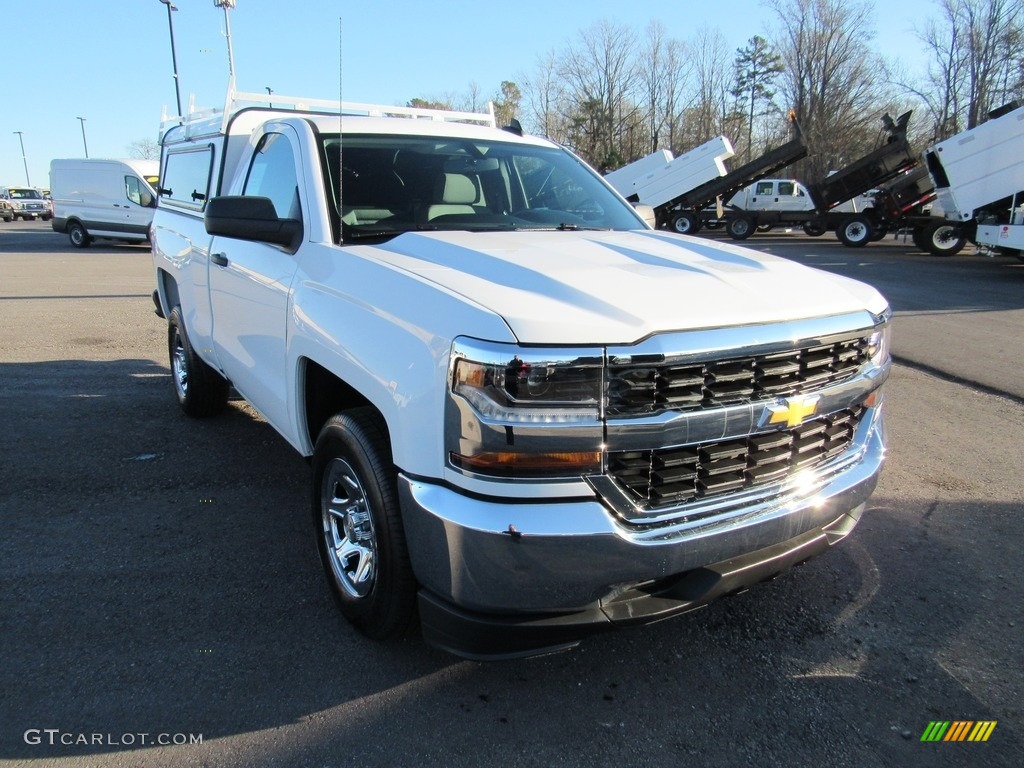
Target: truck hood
x=587, y=288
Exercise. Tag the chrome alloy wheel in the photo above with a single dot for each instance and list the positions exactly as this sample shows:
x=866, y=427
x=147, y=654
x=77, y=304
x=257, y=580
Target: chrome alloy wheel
x=349, y=536
x=179, y=365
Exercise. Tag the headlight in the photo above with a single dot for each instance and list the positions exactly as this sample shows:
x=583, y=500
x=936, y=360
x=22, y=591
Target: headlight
x=531, y=388
x=879, y=344
x=517, y=412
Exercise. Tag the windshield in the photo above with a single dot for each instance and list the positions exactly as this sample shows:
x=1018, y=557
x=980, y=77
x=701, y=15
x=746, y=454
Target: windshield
x=393, y=184
x=24, y=194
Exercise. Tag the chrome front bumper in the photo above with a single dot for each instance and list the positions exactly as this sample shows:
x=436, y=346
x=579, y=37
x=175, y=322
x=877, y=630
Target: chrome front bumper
x=496, y=558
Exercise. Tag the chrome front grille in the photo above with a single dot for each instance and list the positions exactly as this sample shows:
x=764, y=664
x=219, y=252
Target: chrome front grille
x=673, y=476
x=653, y=383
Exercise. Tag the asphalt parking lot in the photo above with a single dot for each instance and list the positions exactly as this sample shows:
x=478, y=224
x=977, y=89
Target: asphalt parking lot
x=158, y=576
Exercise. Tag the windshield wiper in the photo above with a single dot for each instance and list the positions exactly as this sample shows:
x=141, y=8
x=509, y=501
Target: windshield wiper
x=567, y=227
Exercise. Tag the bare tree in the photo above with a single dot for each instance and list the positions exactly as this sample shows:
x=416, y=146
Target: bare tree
x=545, y=98
x=663, y=72
x=707, y=114
x=989, y=25
x=144, y=149
x=975, y=61
x=941, y=91
x=830, y=78
x=601, y=76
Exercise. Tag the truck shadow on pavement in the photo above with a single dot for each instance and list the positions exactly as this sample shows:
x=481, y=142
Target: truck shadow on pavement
x=158, y=576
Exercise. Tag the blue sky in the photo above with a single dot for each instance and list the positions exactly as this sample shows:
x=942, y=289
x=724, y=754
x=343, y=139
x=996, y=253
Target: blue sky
x=109, y=61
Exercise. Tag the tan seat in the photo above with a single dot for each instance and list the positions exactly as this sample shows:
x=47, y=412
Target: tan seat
x=454, y=193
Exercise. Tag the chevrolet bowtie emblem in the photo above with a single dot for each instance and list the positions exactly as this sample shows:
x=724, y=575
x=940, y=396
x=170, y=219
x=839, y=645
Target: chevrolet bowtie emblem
x=792, y=411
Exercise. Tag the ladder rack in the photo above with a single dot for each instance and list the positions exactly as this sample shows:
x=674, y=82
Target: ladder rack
x=201, y=122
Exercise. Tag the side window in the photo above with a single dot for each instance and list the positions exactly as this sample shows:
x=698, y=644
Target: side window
x=763, y=188
x=132, y=190
x=787, y=188
x=272, y=174
x=185, y=182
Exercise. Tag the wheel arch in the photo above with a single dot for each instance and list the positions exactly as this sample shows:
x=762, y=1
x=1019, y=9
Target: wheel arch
x=167, y=291
x=324, y=394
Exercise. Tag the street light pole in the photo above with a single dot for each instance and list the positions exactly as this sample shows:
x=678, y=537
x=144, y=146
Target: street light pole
x=21, y=141
x=174, y=55
x=84, y=142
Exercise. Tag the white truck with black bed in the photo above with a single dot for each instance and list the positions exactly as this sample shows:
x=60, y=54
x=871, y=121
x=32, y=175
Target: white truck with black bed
x=529, y=416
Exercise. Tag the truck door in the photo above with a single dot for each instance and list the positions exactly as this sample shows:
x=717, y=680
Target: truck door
x=137, y=206
x=762, y=197
x=250, y=286
x=792, y=196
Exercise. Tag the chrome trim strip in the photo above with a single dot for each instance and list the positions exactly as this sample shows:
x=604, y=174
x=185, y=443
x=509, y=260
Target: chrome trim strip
x=684, y=347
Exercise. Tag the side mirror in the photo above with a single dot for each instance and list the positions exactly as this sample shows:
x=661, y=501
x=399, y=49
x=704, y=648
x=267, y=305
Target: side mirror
x=647, y=214
x=251, y=218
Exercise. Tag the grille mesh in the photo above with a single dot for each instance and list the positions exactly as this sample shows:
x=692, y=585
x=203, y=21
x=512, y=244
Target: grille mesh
x=650, y=385
x=672, y=476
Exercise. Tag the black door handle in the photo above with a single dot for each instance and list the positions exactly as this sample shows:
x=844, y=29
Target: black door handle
x=219, y=259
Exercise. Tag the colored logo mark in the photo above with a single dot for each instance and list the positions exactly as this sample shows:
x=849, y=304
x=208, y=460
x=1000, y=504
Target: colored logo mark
x=792, y=411
x=959, y=730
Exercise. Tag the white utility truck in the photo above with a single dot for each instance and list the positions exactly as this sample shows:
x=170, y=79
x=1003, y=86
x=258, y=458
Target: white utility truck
x=979, y=180
x=529, y=415
x=96, y=198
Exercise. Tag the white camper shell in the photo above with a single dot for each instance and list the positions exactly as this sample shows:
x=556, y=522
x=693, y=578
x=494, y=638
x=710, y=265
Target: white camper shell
x=95, y=198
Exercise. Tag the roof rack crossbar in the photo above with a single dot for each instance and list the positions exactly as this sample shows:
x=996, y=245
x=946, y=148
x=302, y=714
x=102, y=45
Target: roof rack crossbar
x=198, y=120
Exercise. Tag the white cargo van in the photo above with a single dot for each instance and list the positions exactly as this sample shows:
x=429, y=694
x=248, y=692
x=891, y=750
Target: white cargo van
x=103, y=198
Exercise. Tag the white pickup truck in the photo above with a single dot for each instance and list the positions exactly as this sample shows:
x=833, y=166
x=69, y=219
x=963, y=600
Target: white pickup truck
x=529, y=415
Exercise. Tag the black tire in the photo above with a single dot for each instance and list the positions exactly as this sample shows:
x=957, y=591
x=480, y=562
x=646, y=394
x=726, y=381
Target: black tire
x=814, y=229
x=764, y=228
x=740, y=227
x=686, y=223
x=943, y=238
x=879, y=232
x=77, y=235
x=358, y=525
x=855, y=232
x=201, y=391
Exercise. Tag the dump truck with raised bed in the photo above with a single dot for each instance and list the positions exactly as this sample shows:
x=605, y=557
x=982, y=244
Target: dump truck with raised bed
x=979, y=179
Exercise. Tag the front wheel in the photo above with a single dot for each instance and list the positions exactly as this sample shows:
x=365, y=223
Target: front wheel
x=77, y=234
x=943, y=238
x=359, y=525
x=686, y=223
x=200, y=389
x=855, y=232
x=740, y=227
